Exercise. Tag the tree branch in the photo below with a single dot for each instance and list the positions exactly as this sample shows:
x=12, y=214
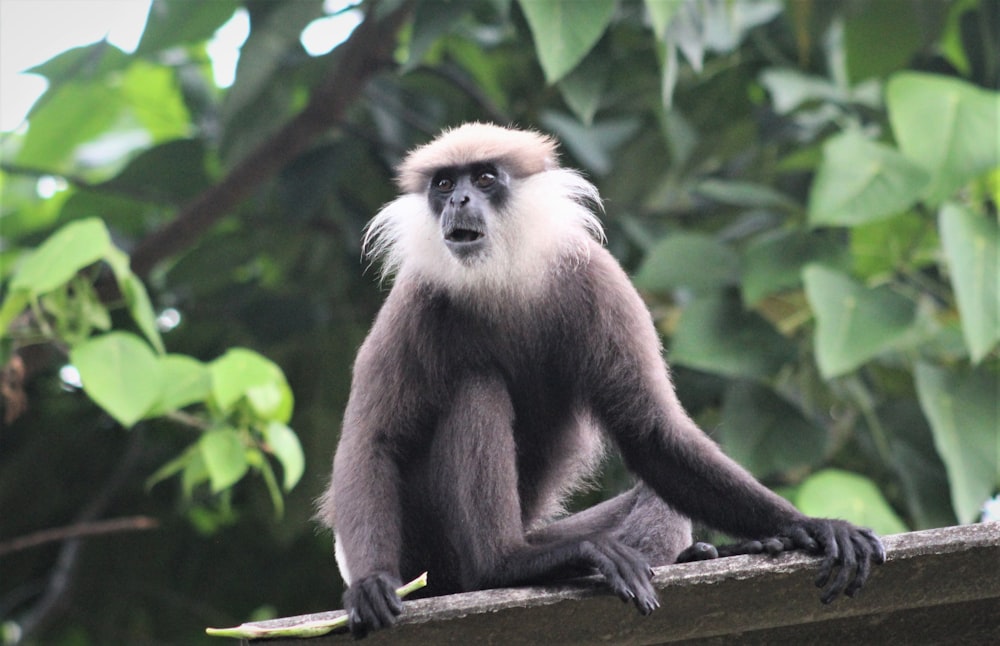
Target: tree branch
x=367, y=52
x=79, y=530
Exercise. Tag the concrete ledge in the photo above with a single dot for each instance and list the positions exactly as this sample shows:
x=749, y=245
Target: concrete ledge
x=937, y=586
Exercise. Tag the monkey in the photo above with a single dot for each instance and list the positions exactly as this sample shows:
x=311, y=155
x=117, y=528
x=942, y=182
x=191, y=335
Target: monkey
x=510, y=353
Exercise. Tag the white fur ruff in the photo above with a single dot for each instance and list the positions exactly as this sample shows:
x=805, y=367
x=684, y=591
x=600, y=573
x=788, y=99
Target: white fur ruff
x=547, y=222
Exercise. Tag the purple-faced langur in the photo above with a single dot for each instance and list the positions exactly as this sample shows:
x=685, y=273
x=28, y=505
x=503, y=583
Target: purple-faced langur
x=511, y=347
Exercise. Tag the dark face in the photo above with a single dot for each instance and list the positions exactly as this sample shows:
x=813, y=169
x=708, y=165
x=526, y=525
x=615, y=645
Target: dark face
x=465, y=199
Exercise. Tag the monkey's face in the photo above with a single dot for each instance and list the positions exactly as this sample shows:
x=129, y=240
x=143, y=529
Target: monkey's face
x=467, y=201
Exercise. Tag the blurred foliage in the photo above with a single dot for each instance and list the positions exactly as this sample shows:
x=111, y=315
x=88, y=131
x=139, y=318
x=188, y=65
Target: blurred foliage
x=805, y=191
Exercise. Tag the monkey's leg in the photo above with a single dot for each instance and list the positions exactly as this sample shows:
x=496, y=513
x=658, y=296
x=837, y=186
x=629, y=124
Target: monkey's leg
x=474, y=486
x=638, y=518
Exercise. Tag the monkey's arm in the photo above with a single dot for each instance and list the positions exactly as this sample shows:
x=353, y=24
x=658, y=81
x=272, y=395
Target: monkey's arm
x=637, y=404
x=365, y=498
x=368, y=532
x=689, y=471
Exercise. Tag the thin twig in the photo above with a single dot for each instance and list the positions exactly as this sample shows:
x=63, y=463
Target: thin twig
x=79, y=530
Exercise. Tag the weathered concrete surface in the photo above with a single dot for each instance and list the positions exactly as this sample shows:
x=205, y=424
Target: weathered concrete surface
x=938, y=586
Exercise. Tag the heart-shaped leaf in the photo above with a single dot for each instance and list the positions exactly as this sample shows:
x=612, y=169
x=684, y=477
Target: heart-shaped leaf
x=120, y=372
x=853, y=323
x=860, y=181
x=225, y=457
x=565, y=30
x=947, y=126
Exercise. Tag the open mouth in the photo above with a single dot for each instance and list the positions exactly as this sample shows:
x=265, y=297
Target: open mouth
x=463, y=235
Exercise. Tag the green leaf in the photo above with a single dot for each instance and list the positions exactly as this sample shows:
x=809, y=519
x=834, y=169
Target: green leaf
x=13, y=304
x=243, y=373
x=916, y=463
x=75, y=113
x=135, y=296
x=860, y=181
x=947, y=126
x=660, y=14
x=195, y=471
x=833, y=493
x=170, y=173
x=271, y=401
x=774, y=263
x=717, y=335
x=854, y=323
x=882, y=37
x=178, y=22
x=899, y=243
x=76, y=311
x=583, y=88
x=152, y=92
x=972, y=245
x=173, y=467
x=962, y=409
x=692, y=260
x=746, y=194
x=565, y=30
x=125, y=215
x=285, y=446
x=791, y=88
x=593, y=145
x=58, y=259
x=225, y=457
x=120, y=373
x=431, y=22
x=185, y=381
x=767, y=434
x=264, y=55
x=86, y=63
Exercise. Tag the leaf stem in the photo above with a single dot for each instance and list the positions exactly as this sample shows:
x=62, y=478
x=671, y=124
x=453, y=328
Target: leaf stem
x=306, y=628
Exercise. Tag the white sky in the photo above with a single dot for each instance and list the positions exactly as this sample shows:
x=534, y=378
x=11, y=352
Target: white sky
x=33, y=31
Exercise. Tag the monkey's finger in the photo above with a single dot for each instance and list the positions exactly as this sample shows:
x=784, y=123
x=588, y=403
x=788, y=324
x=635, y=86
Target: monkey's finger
x=628, y=574
x=877, y=548
x=637, y=575
x=773, y=546
x=699, y=552
x=848, y=565
x=839, y=583
x=827, y=542
x=357, y=626
x=384, y=609
x=864, y=566
x=596, y=558
x=802, y=539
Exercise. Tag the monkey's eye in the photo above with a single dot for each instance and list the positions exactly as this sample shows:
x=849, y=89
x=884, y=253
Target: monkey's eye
x=444, y=184
x=485, y=179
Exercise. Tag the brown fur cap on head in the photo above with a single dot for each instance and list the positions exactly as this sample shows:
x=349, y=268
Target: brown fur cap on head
x=520, y=152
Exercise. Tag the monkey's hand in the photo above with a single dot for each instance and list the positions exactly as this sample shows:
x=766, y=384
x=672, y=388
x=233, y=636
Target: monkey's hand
x=625, y=569
x=372, y=603
x=848, y=549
